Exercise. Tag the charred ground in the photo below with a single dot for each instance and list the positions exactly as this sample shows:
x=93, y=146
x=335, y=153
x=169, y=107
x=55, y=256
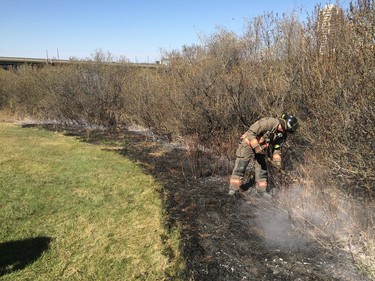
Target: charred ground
x=245, y=237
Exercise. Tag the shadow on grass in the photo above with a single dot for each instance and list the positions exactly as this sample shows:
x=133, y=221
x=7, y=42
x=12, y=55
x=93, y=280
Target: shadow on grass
x=16, y=255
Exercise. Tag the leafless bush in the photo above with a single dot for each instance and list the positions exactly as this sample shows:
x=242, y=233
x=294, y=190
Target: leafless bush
x=89, y=93
x=21, y=91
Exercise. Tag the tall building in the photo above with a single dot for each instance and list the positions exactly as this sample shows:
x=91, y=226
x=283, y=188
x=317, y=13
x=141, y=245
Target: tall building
x=328, y=24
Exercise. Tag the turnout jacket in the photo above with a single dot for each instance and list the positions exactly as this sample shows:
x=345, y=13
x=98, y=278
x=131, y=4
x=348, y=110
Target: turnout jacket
x=264, y=133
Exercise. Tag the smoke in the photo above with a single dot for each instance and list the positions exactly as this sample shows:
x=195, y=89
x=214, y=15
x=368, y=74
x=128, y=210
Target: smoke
x=279, y=231
x=301, y=213
x=304, y=216
x=326, y=213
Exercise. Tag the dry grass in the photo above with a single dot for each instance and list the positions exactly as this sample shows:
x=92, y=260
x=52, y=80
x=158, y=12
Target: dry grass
x=336, y=220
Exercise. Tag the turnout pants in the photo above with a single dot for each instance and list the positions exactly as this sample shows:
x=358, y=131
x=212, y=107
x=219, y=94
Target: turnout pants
x=244, y=155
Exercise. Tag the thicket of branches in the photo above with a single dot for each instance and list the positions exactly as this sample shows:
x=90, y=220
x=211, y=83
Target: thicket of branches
x=211, y=92
x=214, y=90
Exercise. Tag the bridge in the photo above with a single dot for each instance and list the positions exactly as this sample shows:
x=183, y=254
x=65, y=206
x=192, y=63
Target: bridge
x=15, y=62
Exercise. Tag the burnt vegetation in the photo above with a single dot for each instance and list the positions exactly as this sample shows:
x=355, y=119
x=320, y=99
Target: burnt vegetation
x=210, y=93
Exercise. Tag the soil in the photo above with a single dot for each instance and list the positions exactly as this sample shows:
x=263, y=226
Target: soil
x=242, y=237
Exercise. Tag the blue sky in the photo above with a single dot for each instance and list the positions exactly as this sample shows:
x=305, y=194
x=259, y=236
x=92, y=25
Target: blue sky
x=137, y=29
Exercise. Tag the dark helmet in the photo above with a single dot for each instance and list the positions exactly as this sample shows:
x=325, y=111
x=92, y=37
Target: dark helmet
x=290, y=122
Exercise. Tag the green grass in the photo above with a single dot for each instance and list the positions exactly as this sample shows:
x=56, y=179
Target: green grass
x=99, y=216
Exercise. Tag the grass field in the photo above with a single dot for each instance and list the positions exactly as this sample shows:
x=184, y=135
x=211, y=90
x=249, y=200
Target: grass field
x=73, y=211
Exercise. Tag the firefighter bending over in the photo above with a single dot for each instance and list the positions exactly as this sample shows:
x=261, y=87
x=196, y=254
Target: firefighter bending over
x=263, y=139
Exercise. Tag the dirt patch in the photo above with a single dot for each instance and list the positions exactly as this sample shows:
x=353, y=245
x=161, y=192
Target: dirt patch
x=246, y=237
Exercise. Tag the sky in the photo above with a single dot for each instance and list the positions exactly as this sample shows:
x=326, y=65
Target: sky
x=138, y=30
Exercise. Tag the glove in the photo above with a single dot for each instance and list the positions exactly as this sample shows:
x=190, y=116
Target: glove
x=254, y=144
x=276, y=159
x=259, y=149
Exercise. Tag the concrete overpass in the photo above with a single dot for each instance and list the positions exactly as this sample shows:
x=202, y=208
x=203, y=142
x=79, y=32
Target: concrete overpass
x=15, y=62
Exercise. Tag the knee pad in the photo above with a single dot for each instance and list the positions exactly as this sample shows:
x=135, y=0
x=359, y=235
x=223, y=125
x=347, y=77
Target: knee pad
x=261, y=184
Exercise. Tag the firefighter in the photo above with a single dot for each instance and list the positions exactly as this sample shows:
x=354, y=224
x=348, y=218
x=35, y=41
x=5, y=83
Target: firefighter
x=263, y=139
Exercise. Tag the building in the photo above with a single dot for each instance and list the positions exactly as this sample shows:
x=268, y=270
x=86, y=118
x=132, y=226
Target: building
x=329, y=20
